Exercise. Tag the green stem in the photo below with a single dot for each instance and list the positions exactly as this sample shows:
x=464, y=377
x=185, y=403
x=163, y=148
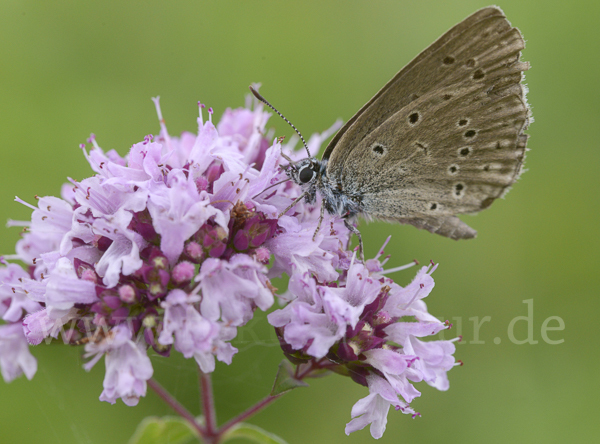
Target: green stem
x=247, y=413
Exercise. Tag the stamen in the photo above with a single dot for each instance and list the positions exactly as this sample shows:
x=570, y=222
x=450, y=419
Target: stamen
x=413, y=298
x=382, y=247
x=400, y=268
x=21, y=201
x=222, y=201
x=385, y=260
x=163, y=126
x=92, y=140
x=18, y=223
x=434, y=267
x=201, y=106
x=352, y=261
x=101, y=201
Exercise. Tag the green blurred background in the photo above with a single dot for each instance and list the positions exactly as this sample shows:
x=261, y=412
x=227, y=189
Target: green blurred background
x=68, y=68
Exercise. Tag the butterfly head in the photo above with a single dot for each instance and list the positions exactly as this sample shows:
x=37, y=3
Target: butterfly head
x=305, y=172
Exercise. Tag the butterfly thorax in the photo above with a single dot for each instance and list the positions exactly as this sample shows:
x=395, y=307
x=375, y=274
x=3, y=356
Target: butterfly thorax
x=311, y=175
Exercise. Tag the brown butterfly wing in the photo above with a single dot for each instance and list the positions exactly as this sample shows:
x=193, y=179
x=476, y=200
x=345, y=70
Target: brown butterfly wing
x=445, y=135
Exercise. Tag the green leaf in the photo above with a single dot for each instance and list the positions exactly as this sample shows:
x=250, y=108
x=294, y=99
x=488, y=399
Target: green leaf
x=169, y=429
x=251, y=433
x=285, y=380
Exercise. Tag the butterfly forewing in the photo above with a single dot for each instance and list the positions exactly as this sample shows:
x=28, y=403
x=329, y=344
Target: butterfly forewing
x=445, y=136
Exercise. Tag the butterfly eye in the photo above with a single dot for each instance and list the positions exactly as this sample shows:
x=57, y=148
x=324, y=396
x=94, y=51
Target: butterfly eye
x=306, y=174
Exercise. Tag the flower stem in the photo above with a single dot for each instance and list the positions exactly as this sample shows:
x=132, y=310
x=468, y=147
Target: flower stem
x=175, y=405
x=249, y=412
x=208, y=403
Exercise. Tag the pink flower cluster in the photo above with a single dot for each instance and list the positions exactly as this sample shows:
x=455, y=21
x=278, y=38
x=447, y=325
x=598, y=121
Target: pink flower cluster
x=365, y=326
x=173, y=245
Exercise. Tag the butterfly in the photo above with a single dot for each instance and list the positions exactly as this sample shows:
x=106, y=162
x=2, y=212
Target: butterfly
x=444, y=137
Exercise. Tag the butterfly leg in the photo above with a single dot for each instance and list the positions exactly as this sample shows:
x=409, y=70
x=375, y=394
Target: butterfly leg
x=298, y=199
x=320, y=220
x=352, y=228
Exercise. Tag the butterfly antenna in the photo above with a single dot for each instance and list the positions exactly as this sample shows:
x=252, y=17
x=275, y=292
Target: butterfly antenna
x=263, y=100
